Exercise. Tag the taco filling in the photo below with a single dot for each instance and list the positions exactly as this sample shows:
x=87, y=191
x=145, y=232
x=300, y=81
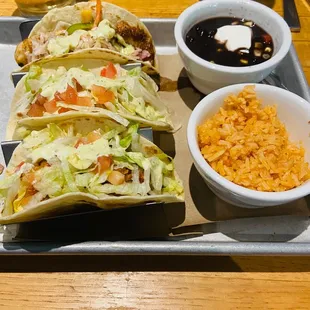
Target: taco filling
x=131, y=94
x=92, y=32
x=106, y=162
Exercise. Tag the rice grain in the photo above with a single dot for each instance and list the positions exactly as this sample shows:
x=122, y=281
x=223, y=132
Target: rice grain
x=247, y=144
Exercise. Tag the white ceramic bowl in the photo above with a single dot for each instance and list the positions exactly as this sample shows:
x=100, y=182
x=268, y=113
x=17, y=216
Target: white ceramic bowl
x=292, y=110
x=206, y=76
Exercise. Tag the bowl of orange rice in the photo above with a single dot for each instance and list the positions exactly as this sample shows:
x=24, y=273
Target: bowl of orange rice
x=251, y=144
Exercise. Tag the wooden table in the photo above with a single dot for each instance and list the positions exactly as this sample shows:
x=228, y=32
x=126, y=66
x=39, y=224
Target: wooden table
x=170, y=282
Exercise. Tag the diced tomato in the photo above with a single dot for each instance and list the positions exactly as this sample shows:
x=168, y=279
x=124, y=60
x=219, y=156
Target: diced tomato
x=80, y=141
x=109, y=71
x=93, y=136
x=50, y=106
x=267, y=38
x=103, y=72
x=64, y=110
x=19, y=166
x=103, y=95
x=104, y=163
x=59, y=96
x=69, y=96
x=36, y=110
x=116, y=178
x=29, y=177
x=84, y=101
x=40, y=99
x=78, y=86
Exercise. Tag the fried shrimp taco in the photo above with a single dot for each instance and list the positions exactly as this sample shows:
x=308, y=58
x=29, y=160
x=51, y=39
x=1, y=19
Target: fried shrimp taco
x=84, y=161
x=101, y=30
x=45, y=94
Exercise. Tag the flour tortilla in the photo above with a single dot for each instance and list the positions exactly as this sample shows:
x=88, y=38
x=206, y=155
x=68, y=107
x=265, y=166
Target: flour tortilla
x=71, y=201
x=62, y=18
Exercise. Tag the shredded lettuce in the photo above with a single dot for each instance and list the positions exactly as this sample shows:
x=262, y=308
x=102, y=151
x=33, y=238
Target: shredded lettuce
x=120, y=163
x=139, y=159
x=37, y=138
x=157, y=167
x=34, y=73
x=10, y=193
x=50, y=181
x=83, y=179
x=90, y=181
x=22, y=132
x=48, y=151
x=79, y=163
x=126, y=189
x=97, y=181
x=135, y=175
x=172, y=186
x=126, y=141
x=55, y=131
x=135, y=71
x=135, y=143
x=168, y=160
x=110, y=134
x=69, y=176
x=7, y=182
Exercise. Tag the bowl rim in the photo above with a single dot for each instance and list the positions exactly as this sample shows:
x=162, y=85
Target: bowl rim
x=254, y=6
x=208, y=171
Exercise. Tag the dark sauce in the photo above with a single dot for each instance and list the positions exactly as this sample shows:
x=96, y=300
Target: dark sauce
x=200, y=40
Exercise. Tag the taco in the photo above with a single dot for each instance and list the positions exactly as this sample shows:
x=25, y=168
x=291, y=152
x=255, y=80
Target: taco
x=46, y=93
x=84, y=161
x=102, y=30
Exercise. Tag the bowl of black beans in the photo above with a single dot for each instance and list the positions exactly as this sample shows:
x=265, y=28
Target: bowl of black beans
x=225, y=42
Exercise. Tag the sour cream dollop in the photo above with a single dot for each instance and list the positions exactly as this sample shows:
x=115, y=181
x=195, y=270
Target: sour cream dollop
x=234, y=37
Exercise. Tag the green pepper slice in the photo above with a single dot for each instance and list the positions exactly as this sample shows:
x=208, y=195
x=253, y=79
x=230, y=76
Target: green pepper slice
x=79, y=26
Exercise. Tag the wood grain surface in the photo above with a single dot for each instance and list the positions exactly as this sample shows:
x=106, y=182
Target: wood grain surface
x=145, y=282
x=157, y=282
